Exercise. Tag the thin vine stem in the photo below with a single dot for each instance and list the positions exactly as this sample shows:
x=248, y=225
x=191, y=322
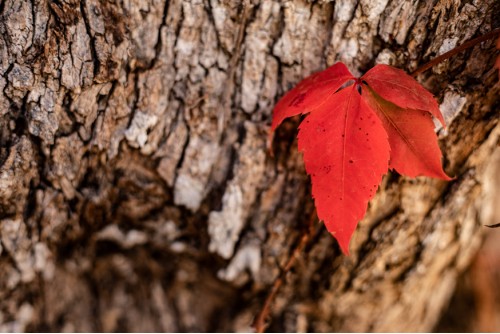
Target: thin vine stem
x=458, y=49
x=260, y=322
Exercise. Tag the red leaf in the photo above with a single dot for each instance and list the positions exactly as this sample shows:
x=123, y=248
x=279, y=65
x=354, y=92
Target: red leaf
x=414, y=147
x=396, y=86
x=348, y=138
x=311, y=93
x=346, y=152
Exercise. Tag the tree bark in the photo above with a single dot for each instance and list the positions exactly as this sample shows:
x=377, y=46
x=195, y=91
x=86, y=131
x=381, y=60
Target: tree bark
x=137, y=194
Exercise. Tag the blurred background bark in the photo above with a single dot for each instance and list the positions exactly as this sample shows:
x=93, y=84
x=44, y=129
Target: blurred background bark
x=136, y=192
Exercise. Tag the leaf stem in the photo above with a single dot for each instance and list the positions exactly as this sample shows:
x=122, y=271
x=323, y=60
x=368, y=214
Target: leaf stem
x=260, y=321
x=456, y=50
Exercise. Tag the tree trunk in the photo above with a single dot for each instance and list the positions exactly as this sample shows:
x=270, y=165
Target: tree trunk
x=137, y=193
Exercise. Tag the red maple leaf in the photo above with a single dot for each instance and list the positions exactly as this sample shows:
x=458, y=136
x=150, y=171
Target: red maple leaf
x=352, y=135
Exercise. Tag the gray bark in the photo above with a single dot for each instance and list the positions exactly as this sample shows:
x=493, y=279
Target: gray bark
x=136, y=192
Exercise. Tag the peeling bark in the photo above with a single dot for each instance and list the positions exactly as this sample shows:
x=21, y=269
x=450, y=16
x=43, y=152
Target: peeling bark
x=135, y=180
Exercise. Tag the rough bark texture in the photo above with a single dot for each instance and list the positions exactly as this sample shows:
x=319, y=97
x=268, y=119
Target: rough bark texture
x=136, y=192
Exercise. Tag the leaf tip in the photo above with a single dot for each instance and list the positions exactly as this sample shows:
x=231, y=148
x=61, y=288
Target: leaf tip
x=443, y=176
x=449, y=178
x=343, y=241
x=344, y=248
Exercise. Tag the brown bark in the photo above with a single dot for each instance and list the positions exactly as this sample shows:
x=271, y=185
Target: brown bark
x=136, y=192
